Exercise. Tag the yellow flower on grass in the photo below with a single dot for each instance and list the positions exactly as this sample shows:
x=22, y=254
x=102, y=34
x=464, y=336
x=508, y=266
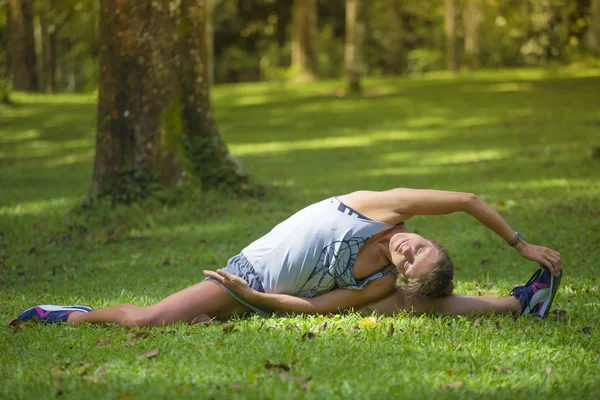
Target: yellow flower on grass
x=369, y=321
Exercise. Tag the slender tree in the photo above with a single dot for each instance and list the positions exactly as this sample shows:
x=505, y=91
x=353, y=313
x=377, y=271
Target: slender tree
x=450, y=29
x=396, y=58
x=24, y=74
x=471, y=16
x=154, y=114
x=595, y=26
x=354, y=34
x=304, y=38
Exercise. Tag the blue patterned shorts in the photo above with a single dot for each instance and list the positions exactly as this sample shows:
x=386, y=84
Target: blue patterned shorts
x=240, y=266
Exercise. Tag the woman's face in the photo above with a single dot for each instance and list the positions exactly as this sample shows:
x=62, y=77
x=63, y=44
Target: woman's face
x=414, y=256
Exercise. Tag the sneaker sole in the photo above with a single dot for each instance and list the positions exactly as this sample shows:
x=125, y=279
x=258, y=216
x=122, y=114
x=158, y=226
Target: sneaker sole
x=554, y=283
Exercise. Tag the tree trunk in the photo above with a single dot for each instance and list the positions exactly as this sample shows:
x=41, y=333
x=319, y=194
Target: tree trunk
x=304, y=38
x=396, y=58
x=354, y=35
x=48, y=54
x=154, y=112
x=595, y=31
x=22, y=45
x=450, y=29
x=471, y=24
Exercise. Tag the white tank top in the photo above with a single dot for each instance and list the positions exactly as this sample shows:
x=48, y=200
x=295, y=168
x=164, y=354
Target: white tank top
x=313, y=251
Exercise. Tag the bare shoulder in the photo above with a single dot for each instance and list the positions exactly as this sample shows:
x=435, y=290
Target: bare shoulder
x=379, y=206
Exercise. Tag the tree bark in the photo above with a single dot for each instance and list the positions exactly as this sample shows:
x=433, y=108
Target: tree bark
x=450, y=29
x=154, y=113
x=471, y=17
x=22, y=45
x=48, y=42
x=595, y=25
x=304, y=38
x=210, y=37
x=396, y=58
x=354, y=35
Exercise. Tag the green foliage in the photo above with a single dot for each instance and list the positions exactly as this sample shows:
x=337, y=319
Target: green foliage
x=523, y=139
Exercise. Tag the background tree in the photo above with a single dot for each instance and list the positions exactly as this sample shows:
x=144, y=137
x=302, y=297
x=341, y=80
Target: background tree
x=154, y=112
x=595, y=26
x=471, y=16
x=396, y=57
x=304, y=38
x=354, y=34
x=450, y=30
x=22, y=44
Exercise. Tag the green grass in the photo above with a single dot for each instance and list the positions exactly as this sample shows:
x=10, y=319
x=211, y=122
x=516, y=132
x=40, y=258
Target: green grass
x=522, y=139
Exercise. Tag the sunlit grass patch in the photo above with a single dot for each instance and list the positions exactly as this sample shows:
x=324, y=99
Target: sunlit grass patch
x=521, y=139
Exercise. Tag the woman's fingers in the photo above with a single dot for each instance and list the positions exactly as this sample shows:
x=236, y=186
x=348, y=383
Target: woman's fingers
x=214, y=275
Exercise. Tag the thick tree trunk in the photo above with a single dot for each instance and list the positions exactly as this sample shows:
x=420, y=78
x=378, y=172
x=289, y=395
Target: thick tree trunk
x=210, y=37
x=450, y=29
x=396, y=58
x=595, y=26
x=304, y=38
x=154, y=112
x=471, y=17
x=354, y=35
x=22, y=45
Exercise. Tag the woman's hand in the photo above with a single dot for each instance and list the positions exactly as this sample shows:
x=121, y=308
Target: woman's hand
x=542, y=255
x=233, y=283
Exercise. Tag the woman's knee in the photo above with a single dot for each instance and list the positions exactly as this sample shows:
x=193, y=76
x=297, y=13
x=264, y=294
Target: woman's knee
x=136, y=316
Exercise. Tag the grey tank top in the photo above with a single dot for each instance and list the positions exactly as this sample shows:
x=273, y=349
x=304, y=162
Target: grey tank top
x=313, y=251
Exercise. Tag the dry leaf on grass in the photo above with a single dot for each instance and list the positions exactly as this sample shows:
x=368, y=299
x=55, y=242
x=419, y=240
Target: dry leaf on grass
x=202, y=319
x=587, y=330
x=391, y=330
x=228, y=327
x=369, y=321
x=102, y=342
x=270, y=365
x=308, y=336
x=150, y=354
x=453, y=385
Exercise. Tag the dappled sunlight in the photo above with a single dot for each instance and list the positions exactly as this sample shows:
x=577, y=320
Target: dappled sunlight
x=44, y=148
x=45, y=206
x=366, y=139
x=18, y=136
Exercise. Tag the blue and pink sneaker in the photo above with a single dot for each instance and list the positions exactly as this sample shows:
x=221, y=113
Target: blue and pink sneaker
x=537, y=294
x=50, y=314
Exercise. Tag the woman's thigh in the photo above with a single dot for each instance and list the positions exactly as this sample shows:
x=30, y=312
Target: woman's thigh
x=205, y=297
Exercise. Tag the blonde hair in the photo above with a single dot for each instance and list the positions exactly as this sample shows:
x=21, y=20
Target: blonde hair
x=438, y=283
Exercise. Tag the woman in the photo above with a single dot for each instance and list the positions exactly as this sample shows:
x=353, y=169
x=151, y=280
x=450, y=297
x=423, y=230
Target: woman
x=354, y=244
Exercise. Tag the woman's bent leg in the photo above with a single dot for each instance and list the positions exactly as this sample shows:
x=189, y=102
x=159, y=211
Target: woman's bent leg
x=206, y=297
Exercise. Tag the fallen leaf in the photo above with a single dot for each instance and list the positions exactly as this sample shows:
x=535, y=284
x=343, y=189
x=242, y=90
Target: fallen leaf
x=300, y=379
x=477, y=322
x=476, y=244
x=450, y=372
x=33, y=251
x=219, y=341
x=491, y=284
x=202, y=319
x=587, y=330
x=90, y=378
x=150, y=354
x=369, y=321
x=498, y=327
x=391, y=330
x=103, y=342
x=485, y=261
x=235, y=387
x=560, y=314
x=323, y=326
x=2, y=264
x=453, y=342
x=354, y=328
x=124, y=396
x=505, y=370
x=549, y=371
x=228, y=327
x=270, y=365
x=308, y=336
x=453, y=385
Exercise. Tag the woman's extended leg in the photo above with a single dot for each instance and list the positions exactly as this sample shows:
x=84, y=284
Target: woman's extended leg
x=206, y=297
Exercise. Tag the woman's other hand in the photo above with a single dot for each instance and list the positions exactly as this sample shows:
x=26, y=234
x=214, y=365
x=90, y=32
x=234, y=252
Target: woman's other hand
x=232, y=282
x=542, y=255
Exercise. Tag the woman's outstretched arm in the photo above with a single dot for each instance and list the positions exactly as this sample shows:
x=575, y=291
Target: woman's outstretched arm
x=333, y=301
x=452, y=305
x=396, y=205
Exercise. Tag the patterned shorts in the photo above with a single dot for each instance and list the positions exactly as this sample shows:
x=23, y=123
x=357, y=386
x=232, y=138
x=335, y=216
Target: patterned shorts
x=240, y=266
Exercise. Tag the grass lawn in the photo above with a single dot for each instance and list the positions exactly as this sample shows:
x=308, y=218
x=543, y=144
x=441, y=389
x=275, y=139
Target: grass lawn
x=523, y=140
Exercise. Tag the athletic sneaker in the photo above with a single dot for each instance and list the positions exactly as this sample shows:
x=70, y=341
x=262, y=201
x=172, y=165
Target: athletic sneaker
x=50, y=314
x=537, y=294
